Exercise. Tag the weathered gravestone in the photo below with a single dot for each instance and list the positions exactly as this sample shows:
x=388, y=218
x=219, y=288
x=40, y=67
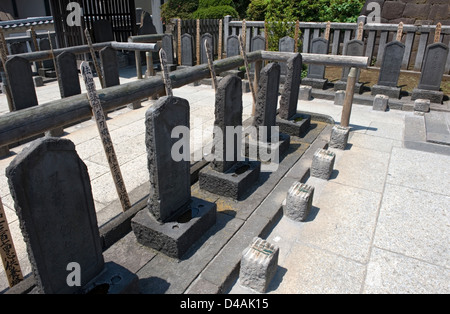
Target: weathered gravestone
x=21, y=83
x=147, y=26
x=110, y=66
x=233, y=48
x=286, y=44
x=289, y=121
x=203, y=57
x=432, y=71
x=167, y=45
x=390, y=70
x=187, y=50
x=352, y=48
x=52, y=194
x=230, y=174
x=258, y=42
x=103, y=31
x=161, y=226
x=266, y=112
x=316, y=73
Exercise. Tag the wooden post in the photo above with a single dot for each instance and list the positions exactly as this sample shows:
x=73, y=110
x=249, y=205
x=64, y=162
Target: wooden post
x=328, y=31
x=244, y=34
x=400, y=31
x=198, y=42
x=220, y=39
x=211, y=65
x=360, y=31
x=179, y=42
x=105, y=136
x=296, y=36
x=35, y=44
x=94, y=58
x=437, y=33
x=349, y=93
x=166, y=75
x=8, y=251
x=247, y=68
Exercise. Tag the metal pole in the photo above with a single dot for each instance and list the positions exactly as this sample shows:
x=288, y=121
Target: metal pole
x=348, y=102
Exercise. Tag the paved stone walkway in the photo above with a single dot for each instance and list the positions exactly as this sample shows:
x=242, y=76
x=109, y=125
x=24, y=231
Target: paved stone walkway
x=380, y=225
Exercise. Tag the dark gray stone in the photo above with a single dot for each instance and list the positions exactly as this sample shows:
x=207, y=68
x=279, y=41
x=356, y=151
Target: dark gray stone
x=176, y=237
x=289, y=96
x=203, y=57
x=18, y=47
x=103, y=31
x=147, y=26
x=51, y=189
x=318, y=46
x=267, y=99
x=433, y=67
x=297, y=125
x=259, y=265
x=170, y=182
x=299, y=202
x=258, y=42
x=110, y=66
x=392, y=63
x=315, y=83
x=434, y=96
x=114, y=279
x=68, y=79
x=286, y=44
x=167, y=45
x=21, y=83
x=187, y=50
x=391, y=92
x=44, y=45
x=233, y=46
x=352, y=48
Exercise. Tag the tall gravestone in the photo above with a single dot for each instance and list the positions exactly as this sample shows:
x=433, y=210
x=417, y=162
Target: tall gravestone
x=233, y=48
x=224, y=177
x=187, y=50
x=167, y=45
x=432, y=71
x=289, y=121
x=203, y=56
x=316, y=73
x=258, y=42
x=352, y=48
x=286, y=44
x=110, y=66
x=390, y=70
x=21, y=83
x=159, y=226
x=51, y=189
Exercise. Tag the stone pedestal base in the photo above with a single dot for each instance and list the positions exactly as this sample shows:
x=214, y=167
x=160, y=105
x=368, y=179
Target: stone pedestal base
x=323, y=164
x=175, y=238
x=305, y=93
x=391, y=92
x=298, y=125
x=339, y=137
x=341, y=85
x=114, y=279
x=279, y=149
x=433, y=96
x=315, y=83
x=234, y=183
x=299, y=202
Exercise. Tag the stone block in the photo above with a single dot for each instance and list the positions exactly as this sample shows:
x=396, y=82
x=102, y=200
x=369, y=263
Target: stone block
x=392, y=92
x=114, y=279
x=175, y=238
x=339, y=98
x=339, y=137
x=323, y=164
x=38, y=81
x=422, y=105
x=259, y=265
x=298, y=125
x=299, y=202
x=305, y=93
x=392, y=9
x=380, y=103
x=245, y=86
x=418, y=11
x=315, y=83
x=342, y=85
x=433, y=96
x=233, y=183
x=268, y=149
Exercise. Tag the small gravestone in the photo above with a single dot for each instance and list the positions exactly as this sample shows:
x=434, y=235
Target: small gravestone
x=323, y=164
x=299, y=202
x=203, y=57
x=167, y=45
x=21, y=83
x=173, y=220
x=147, y=26
x=110, y=66
x=286, y=44
x=339, y=137
x=187, y=50
x=233, y=46
x=51, y=189
x=432, y=72
x=230, y=174
x=259, y=265
x=380, y=103
x=289, y=121
x=258, y=42
x=18, y=48
x=44, y=45
x=103, y=31
x=352, y=48
x=316, y=73
x=390, y=70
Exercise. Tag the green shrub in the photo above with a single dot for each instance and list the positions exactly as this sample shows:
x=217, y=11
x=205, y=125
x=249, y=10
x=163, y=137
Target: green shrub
x=215, y=12
x=182, y=9
x=203, y=4
x=256, y=10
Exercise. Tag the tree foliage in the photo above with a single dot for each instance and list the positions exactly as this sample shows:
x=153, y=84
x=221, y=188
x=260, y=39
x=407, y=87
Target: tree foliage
x=215, y=9
x=182, y=9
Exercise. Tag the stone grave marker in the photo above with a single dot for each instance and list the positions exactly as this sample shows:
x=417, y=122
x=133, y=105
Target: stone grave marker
x=51, y=189
x=286, y=44
x=44, y=45
x=203, y=58
x=432, y=71
x=68, y=79
x=258, y=42
x=390, y=70
x=316, y=73
x=355, y=48
x=110, y=66
x=103, y=31
x=187, y=50
x=17, y=48
x=161, y=225
x=233, y=46
x=21, y=83
x=147, y=26
x=225, y=177
x=167, y=45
